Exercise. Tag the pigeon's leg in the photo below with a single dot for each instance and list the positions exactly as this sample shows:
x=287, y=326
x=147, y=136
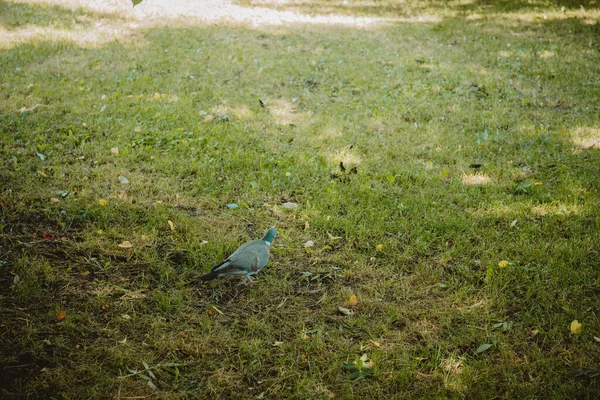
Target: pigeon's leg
x=249, y=277
x=247, y=280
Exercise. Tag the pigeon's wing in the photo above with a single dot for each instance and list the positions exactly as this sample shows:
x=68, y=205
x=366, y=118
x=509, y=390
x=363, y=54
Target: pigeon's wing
x=252, y=259
x=245, y=247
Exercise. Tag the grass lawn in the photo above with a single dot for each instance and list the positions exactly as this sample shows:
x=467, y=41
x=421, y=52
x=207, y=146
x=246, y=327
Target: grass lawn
x=444, y=162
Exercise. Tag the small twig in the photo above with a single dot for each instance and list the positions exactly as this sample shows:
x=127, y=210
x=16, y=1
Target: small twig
x=24, y=109
x=154, y=367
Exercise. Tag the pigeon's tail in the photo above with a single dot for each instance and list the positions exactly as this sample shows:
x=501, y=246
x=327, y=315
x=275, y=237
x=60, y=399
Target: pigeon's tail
x=210, y=276
x=216, y=272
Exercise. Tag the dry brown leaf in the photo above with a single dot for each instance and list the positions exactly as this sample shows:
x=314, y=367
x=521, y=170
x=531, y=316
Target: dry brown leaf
x=126, y=245
x=133, y=295
x=171, y=225
x=60, y=315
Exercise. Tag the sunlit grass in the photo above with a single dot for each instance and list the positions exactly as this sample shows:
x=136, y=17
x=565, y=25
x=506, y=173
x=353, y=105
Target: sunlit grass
x=443, y=172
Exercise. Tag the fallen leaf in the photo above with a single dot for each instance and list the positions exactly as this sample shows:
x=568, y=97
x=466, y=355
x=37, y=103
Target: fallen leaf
x=126, y=317
x=483, y=348
x=102, y=202
x=576, y=327
x=597, y=339
x=144, y=238
x=42, y=173
x=217, y=310
x=277, y=344
x=379, y=247
x=126, y=245
x=171, y=225
x=503, y=264
x=133, y=295
x=332, y=238
x=374, y=343
x=64, y=239
x=54, y=199
x=115, y=151
x=123, y=180
x=512, y=224
x=48, y=236
x=123, y=341
x=306, y=226
x=60, y=315
x=208, y=118
x=352, y=301
x=344, y=310
x=182, y=334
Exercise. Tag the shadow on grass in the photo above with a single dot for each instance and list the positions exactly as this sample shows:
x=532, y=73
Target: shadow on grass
x=14, y=16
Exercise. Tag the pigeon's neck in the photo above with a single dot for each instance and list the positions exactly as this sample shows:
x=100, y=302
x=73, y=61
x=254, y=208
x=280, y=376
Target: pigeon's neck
x=268, y=238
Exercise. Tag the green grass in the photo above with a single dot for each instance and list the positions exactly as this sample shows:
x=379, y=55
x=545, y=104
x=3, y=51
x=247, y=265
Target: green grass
x=475, y=140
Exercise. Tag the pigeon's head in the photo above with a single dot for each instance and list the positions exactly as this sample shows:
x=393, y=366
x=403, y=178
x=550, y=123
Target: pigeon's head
x=270, y=235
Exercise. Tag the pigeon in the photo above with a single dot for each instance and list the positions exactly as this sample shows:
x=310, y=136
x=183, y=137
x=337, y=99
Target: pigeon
x=247, y=260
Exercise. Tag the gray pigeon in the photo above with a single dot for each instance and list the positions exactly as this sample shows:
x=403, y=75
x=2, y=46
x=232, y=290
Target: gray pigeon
x=247, y=260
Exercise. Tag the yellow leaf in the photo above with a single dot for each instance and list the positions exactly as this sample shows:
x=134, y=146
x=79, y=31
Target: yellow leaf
x=374, y=343
x=217, y=310
x=379, y=247
x=503, y=264
x=352, y=301
x=43, y=174
x=171, y=225
x=102, y=202
x=126, y=245
x=60, y=315
x=144, y=238
x=306, y=226
x=576, y=327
